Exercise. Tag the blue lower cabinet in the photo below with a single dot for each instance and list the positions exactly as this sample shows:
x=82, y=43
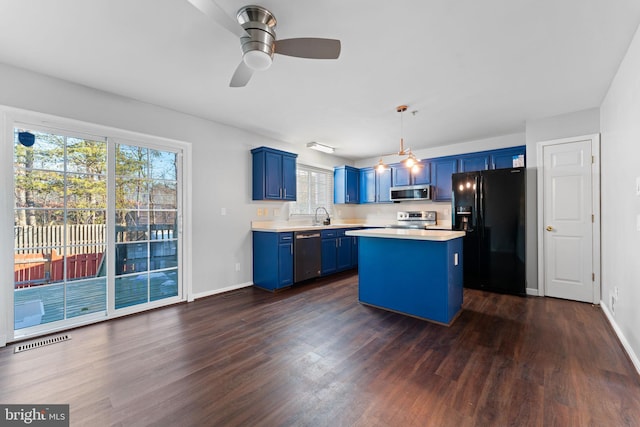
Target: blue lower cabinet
x=329, y=256
x=386, y=282
x=338, y=251
x=272, y=260
x=273, y=256
x=344, y=252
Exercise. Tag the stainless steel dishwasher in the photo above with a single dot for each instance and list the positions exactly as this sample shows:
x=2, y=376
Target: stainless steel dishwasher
x=307, y=255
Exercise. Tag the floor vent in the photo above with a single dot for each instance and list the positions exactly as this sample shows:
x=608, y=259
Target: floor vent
x=41, y=343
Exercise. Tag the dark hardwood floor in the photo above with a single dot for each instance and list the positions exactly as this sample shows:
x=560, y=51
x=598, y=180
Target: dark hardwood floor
x=313, y=356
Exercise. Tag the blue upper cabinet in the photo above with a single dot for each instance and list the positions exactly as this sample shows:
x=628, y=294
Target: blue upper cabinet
x=423, y=175
x=367, y=185
x=474, y=162
x=441, y=171
x=346, y=183
x=508, y=158
x=383, y=186
x=375, y=186
x=289, y=178
x=274, y=174
x=493, y=159
x=403, y=176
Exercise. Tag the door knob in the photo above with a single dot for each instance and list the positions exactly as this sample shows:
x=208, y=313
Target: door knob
x=549, y=228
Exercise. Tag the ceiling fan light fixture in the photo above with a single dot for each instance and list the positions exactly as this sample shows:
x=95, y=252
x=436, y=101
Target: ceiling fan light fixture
x=257, y=60
x=320, y=147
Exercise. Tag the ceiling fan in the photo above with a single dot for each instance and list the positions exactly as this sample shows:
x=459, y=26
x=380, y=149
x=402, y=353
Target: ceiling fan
x=255, y=27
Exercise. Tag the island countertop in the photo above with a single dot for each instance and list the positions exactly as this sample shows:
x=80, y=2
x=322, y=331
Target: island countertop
x=411, y=234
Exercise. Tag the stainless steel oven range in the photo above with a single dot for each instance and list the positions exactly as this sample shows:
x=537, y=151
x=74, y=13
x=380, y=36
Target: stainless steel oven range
x=415, y=219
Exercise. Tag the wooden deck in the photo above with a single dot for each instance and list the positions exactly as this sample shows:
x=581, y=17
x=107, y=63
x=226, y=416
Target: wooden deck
x=90, y=296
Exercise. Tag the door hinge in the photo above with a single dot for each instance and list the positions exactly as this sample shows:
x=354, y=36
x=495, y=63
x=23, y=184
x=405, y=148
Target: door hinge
x=593, y=160
x=593, y=277
x=593, y=218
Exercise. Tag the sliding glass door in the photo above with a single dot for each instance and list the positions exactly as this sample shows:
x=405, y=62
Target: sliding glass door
x=95, y=228
x=146, y=250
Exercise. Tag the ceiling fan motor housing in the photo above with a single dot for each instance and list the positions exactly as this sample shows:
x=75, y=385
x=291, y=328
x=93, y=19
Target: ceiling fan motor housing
x=258, y=48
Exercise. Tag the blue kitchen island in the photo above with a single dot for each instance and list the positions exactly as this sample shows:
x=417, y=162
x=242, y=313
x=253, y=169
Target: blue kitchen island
x=413, y=272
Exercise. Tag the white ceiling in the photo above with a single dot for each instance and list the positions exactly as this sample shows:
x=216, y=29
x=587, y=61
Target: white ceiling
x=471, y=69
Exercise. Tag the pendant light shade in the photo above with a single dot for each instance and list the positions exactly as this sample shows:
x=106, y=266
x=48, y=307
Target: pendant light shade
x=381, y=167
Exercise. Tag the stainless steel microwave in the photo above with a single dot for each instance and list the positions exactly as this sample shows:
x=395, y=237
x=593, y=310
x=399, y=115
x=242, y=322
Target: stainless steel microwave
x=411, y=192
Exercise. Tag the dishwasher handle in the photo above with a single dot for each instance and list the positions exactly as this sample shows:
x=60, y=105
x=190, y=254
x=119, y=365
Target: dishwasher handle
x=307, y=236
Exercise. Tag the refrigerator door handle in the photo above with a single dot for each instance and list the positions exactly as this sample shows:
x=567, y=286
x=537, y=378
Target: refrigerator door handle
x=480, y=191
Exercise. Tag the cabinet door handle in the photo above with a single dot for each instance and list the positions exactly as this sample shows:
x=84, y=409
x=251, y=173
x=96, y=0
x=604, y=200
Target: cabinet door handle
x=285, y=193
x=291, y=249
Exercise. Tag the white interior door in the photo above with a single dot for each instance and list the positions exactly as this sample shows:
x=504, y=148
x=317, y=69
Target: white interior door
x=568, y=220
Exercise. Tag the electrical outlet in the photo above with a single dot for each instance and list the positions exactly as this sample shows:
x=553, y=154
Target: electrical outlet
x=223, y=211
x=612, y=304
x=237, y=266
x=265, y=211
x=259, y=212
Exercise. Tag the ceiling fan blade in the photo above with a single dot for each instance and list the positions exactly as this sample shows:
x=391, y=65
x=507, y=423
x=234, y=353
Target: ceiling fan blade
x=241, y=76
x=215, y=12
x=309, y=48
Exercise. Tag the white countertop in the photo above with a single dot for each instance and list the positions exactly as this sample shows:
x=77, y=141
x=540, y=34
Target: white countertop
x=411, y=234
x=278, y=228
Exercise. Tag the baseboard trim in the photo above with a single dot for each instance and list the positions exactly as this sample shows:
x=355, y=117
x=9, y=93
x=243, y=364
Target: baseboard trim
x=621, y=337
x=222, y=290
x=533, y=292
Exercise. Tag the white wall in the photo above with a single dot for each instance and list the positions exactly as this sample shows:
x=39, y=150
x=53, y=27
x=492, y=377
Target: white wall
x=221, y=168
x=585, y=122
x=620, y=163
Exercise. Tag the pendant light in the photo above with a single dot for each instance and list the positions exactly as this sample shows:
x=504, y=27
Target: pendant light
x=411, y=162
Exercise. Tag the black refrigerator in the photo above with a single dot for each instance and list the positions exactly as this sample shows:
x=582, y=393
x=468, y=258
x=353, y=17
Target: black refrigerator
x=490, y=207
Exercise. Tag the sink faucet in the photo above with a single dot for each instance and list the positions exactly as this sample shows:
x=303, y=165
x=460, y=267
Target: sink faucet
x=327, y=220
